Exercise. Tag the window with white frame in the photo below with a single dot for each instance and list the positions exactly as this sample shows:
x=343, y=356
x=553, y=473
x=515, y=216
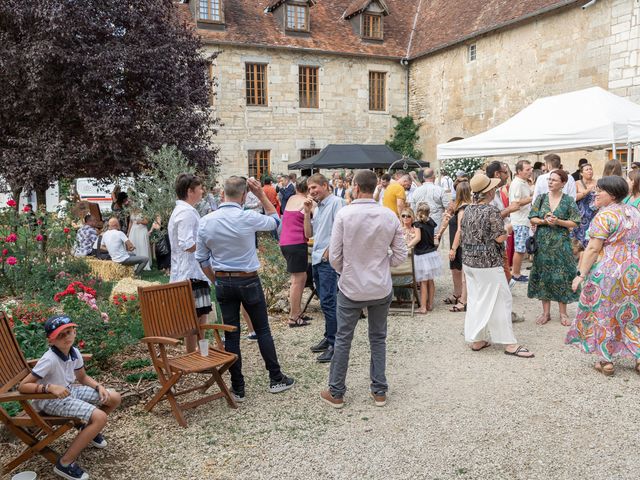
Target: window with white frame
x=210, y=10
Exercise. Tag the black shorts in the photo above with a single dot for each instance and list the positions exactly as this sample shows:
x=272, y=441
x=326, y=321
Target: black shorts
x=296, y=256
x=202, y=296
x=457, y=261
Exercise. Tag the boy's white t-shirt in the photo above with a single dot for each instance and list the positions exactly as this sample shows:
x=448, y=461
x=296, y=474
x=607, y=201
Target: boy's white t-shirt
x=54, y=369
x=114, y=241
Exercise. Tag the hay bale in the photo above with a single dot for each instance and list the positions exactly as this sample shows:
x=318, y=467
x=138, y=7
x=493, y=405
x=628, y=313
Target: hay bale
x=129, y=286
x=108, y=270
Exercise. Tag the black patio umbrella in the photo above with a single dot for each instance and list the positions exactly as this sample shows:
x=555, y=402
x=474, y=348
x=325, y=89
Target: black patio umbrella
x=353, y=157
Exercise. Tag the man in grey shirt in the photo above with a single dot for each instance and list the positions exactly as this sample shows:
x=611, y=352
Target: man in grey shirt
x=437, y=198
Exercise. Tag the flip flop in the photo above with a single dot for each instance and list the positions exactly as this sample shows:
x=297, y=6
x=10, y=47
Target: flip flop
x=518, y=352
x=486, y=344
x=297, y=322
x=456, y=308
x=564, y=320
x=542, y=319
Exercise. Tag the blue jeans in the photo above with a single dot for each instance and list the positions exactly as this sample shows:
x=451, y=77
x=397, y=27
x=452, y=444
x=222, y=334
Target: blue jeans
x=231, y=292
x=325, y=279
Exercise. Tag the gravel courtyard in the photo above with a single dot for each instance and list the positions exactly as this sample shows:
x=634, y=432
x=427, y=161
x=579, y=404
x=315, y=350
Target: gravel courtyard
x=451, y=414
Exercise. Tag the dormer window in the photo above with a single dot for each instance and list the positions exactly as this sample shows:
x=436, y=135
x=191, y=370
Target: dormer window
x=367, y=18
x=210, y=11
x=291, y=15
x=372, y=26
x=297, y=17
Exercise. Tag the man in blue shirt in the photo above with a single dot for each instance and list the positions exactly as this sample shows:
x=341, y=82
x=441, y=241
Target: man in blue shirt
x=227, y=254
x=318, y=225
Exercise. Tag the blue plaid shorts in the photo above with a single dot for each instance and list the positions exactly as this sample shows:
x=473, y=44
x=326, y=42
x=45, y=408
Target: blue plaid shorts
x=81, y=403
x=520, y=235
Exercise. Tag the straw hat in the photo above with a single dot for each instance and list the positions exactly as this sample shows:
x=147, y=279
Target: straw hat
x=480, y=183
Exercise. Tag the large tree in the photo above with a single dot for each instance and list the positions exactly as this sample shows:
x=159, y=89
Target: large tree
x=86, y=86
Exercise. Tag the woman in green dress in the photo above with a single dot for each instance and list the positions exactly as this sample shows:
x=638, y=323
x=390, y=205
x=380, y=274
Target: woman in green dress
x=554, y=214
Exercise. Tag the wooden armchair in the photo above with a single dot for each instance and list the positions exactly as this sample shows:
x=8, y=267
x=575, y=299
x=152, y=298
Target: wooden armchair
x=169, y=313
x=37, y=431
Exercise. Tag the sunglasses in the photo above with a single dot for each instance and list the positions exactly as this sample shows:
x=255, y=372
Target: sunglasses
x=405, y=216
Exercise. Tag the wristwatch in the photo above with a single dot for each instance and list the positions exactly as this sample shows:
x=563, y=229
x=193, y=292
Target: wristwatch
x=578, y=274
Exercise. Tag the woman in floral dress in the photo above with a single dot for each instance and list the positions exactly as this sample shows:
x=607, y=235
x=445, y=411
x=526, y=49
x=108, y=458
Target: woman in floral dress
x=608, y=320
x=554, y=214
x=585, y=200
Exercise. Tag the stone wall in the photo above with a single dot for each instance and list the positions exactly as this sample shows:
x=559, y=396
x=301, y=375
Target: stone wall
x=283, y=127
x=553, y=54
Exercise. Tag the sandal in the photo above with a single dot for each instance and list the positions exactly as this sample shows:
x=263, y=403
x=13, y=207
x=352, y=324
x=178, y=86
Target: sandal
x=452, y=300
x=297, y=322
x=606, y=368
x=542, y=319
x=484, y=345
x=519, y=351
x=456, y=308
x=637, y=369
x=564, y=320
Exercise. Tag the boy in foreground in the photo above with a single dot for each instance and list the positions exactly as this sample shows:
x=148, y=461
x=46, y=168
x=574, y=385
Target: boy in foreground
x=61, y=372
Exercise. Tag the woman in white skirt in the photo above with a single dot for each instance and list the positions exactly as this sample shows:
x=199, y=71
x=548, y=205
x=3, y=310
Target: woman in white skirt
x=139, y=236
x=489, y=301
x=426, y=259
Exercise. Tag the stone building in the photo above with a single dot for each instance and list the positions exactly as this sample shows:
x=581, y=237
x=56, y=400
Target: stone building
x=295, y=75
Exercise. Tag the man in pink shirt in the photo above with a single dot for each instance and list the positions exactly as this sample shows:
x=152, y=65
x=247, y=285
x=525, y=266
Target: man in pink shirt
x=366, y=241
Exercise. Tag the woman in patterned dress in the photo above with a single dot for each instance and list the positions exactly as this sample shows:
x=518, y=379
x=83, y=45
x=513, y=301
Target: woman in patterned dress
x=554, y=266
x=608, y=320
x=585, y=199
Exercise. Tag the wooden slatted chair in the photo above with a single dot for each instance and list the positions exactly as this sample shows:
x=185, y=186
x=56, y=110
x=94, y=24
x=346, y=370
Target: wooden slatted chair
x=169, y=313
x=37, y=431
x=404, y=276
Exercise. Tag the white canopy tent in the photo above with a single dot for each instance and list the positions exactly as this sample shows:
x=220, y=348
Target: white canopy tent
x=634, y=132
x=583, y=120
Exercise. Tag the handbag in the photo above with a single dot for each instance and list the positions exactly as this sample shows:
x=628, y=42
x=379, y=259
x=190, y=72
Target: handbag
x=532, y=244
x=163, y=247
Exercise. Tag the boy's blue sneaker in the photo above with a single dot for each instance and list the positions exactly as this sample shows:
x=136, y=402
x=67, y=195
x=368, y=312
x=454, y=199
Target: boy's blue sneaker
x=99, y=441
x=71, y=471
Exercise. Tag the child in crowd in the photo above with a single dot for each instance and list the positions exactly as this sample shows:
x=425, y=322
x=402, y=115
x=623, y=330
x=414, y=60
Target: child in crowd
x=61, y=372
x=427, y=261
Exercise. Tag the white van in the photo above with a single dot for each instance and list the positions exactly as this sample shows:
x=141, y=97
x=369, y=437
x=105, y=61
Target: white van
x=91, y=190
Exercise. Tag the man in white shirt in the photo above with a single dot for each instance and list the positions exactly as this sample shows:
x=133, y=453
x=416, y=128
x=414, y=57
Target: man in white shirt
x=119, y=246
x=183, y=233
x=553, y=162
x=432, y=194
x=520, y=194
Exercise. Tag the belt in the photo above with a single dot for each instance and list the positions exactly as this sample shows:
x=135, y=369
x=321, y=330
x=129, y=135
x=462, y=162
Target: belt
x=220, y=274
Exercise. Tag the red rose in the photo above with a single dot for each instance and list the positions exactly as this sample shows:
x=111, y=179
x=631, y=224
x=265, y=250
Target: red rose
x=132, y=298
x=39, y=238
x=11, y=238
x=70, y=290
x=26, y=209
x=39, y=222
x=81, y=344
x=66, y=230
x=5, y=252
x=116, y=302
x=123, y=298
x=11, y=203
x=12, y=260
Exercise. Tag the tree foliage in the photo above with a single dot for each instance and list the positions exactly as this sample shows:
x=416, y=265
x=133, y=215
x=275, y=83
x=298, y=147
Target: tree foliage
x=155, y=192
x=405, y=137
x=88, y=85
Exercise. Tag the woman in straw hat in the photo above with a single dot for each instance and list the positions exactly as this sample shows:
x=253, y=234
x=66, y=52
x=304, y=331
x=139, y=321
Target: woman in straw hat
x=489, y=298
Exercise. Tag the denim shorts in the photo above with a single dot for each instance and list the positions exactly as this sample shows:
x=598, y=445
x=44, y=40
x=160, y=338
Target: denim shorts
x=81, y=403
x=520, y=235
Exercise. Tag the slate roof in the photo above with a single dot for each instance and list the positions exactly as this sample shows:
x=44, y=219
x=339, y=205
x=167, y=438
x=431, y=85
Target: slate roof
x=438, y=24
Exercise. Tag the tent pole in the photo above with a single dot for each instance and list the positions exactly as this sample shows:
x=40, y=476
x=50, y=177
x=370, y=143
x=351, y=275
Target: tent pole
x=615, y=153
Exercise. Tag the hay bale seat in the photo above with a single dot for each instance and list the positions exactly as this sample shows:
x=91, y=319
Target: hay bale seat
x=108, y=270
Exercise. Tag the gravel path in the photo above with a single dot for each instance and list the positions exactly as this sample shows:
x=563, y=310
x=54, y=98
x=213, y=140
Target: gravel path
x=451, y=414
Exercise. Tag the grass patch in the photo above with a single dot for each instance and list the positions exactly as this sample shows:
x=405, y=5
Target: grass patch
x=136, y=363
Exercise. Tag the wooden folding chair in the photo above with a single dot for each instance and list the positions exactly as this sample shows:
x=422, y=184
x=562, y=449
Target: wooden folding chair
x=169, y=313
x=36, y=431
x=406, y=270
